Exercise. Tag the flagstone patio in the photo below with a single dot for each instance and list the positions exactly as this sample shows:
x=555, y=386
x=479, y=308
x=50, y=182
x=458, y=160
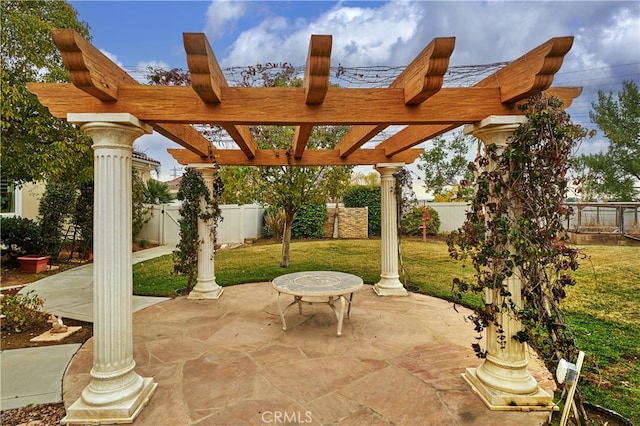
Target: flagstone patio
x=228, y=362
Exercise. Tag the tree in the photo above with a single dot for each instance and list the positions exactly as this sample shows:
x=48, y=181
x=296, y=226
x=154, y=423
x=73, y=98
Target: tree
x=445, y=164
x=35, y=145
x=615, y=174
x=290, y=187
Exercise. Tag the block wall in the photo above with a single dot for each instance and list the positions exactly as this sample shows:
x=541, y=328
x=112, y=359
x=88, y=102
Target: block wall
x=352, y=222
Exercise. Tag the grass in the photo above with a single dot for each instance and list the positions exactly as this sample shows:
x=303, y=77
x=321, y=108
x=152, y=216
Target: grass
x=603, y=307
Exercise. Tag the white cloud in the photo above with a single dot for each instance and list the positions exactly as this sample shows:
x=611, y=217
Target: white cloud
x=222, y=16
x=361, y=36
x=113, y=57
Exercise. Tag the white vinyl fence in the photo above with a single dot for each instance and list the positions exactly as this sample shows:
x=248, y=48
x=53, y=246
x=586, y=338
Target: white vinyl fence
x=238, y=222
x=452, y=215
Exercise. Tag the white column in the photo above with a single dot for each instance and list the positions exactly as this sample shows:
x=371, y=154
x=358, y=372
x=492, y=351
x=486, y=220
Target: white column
x=389, y=284
x=502, y=380
x=116, y=393
x=206, y=286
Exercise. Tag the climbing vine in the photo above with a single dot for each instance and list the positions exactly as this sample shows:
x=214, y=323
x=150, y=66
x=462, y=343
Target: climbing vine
x=192, y=190
x=514, y=227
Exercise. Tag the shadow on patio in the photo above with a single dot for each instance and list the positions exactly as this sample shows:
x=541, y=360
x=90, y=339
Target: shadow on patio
x=228, y=362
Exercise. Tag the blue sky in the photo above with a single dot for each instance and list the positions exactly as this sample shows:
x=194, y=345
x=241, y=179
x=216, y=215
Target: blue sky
x=605, y=52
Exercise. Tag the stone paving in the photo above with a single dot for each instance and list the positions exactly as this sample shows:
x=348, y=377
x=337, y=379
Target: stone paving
x=228, y=362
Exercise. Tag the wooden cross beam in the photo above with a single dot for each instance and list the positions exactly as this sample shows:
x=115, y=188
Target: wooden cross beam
x=530, y=74
x=92, y=72
x=311, y=157
x=316, y=85
x=207, y=80
x=422, y=79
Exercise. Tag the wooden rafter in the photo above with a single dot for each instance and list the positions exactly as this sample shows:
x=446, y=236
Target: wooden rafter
x=422, y=79
x=207, y=80
x=273, y=105
x=92, y=72
x=312, y=157
x=316, y=84
x=530, y=74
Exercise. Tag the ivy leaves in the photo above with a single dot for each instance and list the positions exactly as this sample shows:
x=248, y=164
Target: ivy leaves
x=515, y=228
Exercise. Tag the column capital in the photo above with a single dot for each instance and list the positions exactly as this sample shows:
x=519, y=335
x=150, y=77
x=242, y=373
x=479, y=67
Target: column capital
x=388, y=168
x=495, y=128
x=115, y=118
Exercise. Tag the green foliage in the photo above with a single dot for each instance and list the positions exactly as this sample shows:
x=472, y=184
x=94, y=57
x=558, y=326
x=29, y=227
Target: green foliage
x=156, y=192
x=19, y=236
x=197, y=203
x=445, y=164
x=515, y=228
x=35, y=145
x=22, y=312
x=366, y=196
x=614, y=175
x=412, y=221
x=83, y=216
x=56, y=207
x=309, y=222
x=237, y=183
x=140, y=213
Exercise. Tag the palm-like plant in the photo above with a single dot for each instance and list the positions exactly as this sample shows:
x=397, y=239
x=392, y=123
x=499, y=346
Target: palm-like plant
x=156, y=192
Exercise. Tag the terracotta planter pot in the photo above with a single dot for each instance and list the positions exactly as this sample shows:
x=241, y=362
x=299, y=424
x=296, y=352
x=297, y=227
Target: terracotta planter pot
x=33, y=263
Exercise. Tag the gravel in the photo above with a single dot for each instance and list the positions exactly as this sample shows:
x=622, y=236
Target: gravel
x=34, y=415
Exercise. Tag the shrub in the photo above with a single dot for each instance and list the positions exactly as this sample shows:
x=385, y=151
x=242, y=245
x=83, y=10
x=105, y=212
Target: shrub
x=56, y=206
x=19, y=236
x=22, y=312
x=411, y=222
x=309, y=221
x=366, y=196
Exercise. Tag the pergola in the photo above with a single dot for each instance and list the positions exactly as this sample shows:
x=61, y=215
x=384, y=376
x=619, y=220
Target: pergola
x=114, y=109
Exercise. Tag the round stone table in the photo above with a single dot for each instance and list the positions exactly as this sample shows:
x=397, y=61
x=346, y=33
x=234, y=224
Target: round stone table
x=318, y=284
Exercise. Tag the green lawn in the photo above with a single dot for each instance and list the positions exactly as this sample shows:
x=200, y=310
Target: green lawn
x=603, y=307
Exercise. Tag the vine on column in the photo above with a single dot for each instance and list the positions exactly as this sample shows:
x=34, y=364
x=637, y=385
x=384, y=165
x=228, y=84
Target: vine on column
x=192, y=190
x=530, y=177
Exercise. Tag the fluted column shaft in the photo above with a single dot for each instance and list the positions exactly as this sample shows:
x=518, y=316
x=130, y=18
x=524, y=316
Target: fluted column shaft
x=206, y=286
x=503, y=380
x=389, y=284
x=116, y=392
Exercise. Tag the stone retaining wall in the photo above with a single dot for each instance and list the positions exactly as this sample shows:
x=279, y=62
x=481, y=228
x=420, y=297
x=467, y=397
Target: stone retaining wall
x=352, y=222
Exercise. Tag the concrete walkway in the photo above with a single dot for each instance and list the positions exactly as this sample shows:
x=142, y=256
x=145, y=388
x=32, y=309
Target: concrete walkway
x=34, y=375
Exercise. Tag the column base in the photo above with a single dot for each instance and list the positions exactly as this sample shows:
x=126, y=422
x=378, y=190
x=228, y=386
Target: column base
x=122, y=412
x=212, y=294
x=497, y=400
x=384, y=289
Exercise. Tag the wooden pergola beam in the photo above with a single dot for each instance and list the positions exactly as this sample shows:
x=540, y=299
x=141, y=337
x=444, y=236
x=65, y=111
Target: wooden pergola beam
x=316, y=84
x=207, y=80
x=312, y=157
x=530, y=74
x=95, y=74
x=414, y=135
x=422, y=79
x=273, y=105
